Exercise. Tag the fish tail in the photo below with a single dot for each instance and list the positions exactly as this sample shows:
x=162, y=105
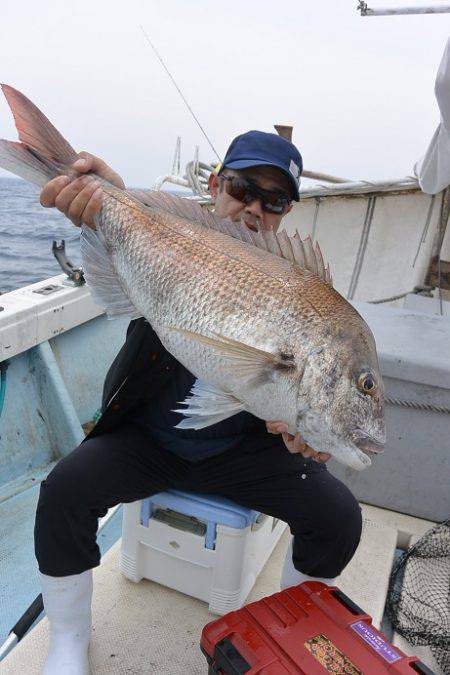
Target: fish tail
x=42, y=153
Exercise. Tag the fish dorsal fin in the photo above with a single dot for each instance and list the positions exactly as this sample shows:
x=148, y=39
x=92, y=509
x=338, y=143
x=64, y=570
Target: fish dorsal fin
x=179, y=206
x=303, y=253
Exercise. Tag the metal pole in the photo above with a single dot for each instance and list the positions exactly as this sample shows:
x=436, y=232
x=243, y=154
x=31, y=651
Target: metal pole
x=9, y=643
x=324, y=176
x=391, y=11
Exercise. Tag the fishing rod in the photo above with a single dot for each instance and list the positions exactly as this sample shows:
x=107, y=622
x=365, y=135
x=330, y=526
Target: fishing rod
x=37, y=606
x=180, y=92
x=392, y=11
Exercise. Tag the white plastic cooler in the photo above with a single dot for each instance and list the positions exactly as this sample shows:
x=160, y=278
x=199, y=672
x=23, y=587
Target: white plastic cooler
x=412, y=476
x=207, y=547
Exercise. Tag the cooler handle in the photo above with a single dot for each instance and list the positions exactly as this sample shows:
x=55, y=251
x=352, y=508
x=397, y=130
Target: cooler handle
x=227, y=657
x=420, y=667
x=348, y=602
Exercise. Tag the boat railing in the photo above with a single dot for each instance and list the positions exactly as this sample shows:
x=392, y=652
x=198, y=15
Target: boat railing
x=358, y=187
x=41, y=311
x=196, y=175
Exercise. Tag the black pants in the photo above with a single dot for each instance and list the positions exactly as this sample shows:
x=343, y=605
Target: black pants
x=125, y=465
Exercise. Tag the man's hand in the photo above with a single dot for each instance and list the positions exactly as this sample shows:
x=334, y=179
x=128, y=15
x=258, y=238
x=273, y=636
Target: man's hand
x=295, y=443
x=81, y=199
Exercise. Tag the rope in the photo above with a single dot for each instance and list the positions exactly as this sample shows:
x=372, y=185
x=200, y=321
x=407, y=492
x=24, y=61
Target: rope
x=427, y=407
x=362, y=247
x=425, y=229
x=316, y=213
x=3, y=368
x=391, y=299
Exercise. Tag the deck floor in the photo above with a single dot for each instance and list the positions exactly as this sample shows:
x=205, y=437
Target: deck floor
x=147, y=628
x=19, y=581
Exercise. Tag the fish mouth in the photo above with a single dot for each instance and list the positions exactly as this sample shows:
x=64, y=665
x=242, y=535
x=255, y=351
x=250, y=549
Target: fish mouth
x=367, y=443
x=251, y=226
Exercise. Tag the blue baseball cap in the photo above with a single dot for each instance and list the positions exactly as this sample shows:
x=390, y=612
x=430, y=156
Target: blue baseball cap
x=258, y=148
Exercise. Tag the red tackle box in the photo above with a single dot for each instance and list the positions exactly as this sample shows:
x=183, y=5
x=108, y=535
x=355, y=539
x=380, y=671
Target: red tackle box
x=307, y=629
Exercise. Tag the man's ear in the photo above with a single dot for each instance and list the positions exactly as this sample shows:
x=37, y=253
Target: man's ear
x=213, y=184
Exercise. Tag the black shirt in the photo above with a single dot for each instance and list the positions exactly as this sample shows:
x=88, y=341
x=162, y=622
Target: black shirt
x=159, y=419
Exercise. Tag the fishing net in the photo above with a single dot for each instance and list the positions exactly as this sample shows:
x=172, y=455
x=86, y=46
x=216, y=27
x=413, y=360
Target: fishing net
x=418, y=601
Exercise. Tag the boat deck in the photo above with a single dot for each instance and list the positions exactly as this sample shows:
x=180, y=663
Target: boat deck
x=54, y=386
x=147, y=628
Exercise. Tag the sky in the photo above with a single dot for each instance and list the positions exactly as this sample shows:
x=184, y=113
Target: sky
x=359, y=91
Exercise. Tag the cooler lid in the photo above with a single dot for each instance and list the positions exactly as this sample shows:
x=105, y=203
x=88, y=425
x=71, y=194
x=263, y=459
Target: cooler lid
x=212, y=508
x=411, y=345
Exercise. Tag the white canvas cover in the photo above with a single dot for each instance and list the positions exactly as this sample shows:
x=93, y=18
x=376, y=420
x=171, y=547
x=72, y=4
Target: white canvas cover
x=433, y=169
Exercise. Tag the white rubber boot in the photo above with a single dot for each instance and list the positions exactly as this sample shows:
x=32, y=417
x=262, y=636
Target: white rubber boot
x=292, y=577
x=67, y=603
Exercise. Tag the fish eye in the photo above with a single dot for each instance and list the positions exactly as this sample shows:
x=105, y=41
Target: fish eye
x=286, y=361
x=287, y=357
x=367, y=384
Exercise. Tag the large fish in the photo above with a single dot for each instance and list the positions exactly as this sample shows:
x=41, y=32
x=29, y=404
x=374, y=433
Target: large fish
x=253, y=316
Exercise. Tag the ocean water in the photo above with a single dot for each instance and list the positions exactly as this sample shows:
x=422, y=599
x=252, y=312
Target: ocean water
x=27, y=231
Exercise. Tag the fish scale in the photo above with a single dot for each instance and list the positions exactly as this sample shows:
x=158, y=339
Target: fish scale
x=237, y=284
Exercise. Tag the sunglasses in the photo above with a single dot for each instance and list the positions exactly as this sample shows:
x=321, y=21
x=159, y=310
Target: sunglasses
x=246, y=192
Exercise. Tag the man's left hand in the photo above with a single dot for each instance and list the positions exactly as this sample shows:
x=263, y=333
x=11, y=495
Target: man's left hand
x=295, y=444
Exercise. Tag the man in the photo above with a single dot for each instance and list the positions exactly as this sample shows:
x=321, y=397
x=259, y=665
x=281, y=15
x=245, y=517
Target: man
x=135, y=450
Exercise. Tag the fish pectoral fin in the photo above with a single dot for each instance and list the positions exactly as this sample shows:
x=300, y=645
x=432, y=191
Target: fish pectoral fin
x=246, y=361
x=207, y=405
x=102, y=278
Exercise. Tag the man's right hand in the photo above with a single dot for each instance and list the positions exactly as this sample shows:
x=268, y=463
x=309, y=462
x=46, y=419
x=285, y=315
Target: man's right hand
x=295, y=444
x=81, y=199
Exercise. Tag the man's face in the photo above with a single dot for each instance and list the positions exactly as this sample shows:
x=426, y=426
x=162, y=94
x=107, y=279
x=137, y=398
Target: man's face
x=252, y=214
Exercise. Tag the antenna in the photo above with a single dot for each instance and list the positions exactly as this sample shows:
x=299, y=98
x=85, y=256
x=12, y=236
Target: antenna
x=180, y=92
x=389, y=11
x=284, y=129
